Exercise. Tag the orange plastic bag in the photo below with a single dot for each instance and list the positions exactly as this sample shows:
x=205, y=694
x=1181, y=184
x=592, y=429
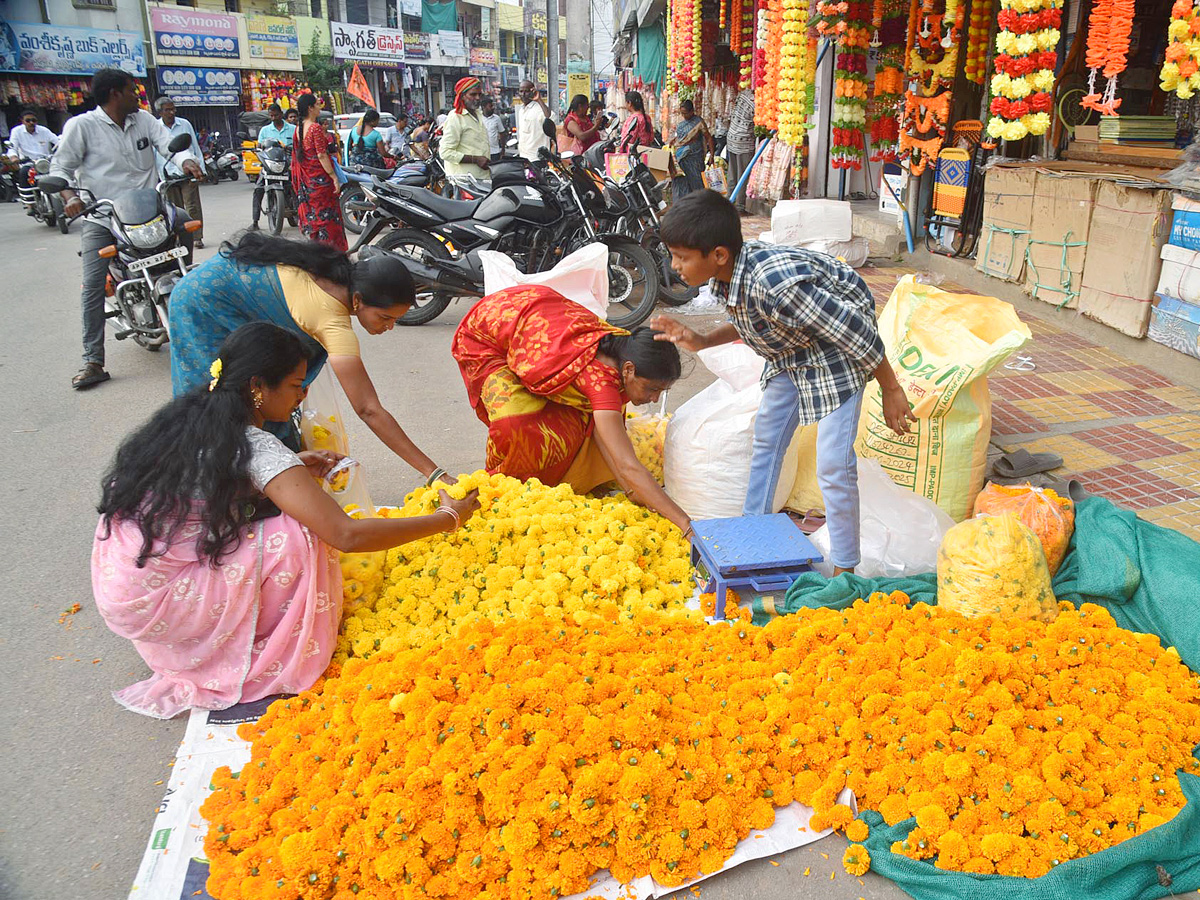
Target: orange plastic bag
x=1049, y=516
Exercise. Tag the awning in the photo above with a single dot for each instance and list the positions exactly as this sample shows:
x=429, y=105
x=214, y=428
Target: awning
x=486, y=4
x=649, y=10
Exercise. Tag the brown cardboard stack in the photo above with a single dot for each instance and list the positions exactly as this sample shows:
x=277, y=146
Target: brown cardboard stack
x=1007, y=209
x=1058, y=239
x=1129, y=227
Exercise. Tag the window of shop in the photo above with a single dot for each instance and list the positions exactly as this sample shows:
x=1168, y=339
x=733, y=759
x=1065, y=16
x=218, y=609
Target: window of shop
x=316, y=9
x=94, y=4
x=357, y=12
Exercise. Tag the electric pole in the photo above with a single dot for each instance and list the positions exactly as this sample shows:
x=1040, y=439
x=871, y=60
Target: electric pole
x=552, y=55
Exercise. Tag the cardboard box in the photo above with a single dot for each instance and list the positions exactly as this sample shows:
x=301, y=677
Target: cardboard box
x=658, y=162
x=1128, y=230
x=1185, y=227
x=1058, y=237
x=795, y=222
x=1180, y=276
x=1176, y=324
x=1089, y=133
x=1007, y=210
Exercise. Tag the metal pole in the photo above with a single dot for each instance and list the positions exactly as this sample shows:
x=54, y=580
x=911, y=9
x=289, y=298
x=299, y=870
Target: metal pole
x=552, y=55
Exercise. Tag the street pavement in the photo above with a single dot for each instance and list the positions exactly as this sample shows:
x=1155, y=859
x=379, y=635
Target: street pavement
x=80, y=776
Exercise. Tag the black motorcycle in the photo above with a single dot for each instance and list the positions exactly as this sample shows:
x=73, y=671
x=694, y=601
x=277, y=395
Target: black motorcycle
x=44, y=209
x=636, y=214
x=276, y=179
x=535, y=214
x=147, y=257
x=426, y=173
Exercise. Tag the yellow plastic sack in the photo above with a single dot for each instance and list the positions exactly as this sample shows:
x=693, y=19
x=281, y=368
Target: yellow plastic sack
x=942, y=347
x=994, y=566
x=1044, y=512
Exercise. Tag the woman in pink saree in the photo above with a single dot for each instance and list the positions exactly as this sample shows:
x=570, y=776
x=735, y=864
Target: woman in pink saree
x=217, y=553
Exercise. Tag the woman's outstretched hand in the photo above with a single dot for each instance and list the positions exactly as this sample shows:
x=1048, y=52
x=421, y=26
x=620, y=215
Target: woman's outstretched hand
x=319, y=462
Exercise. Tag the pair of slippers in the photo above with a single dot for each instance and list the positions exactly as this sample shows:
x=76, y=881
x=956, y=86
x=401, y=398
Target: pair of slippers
x=1022, y=467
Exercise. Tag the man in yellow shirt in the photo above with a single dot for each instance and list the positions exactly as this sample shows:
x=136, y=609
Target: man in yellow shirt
x=465, y=148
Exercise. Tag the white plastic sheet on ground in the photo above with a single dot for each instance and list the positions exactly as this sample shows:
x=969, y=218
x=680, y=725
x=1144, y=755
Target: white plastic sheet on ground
x=174, y=867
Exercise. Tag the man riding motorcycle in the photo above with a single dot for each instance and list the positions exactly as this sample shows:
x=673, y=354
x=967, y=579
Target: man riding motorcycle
x=276, y=130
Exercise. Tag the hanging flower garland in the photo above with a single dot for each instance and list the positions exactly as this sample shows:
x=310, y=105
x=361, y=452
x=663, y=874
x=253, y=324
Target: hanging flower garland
x=1107, y=52
x=933, y=39
x=1024, y=81
x=770, y=38
x=1181, y=68
x=793, y=91
x=975, y=68
x=745, y=42
x=850, y=24
x=684, y=55
x=890, y=19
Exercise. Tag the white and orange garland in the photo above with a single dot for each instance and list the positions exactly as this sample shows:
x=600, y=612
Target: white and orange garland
x=1023, y=85
x=1107, y=50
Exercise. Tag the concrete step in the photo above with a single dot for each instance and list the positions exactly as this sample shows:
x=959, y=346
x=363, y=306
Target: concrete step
x=882, y=230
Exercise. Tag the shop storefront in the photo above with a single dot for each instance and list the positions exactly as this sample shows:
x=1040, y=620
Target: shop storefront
x=380, y=55
x=49, y=67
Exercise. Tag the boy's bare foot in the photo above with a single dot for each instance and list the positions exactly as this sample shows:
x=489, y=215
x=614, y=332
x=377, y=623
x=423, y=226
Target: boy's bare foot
x=838, y=570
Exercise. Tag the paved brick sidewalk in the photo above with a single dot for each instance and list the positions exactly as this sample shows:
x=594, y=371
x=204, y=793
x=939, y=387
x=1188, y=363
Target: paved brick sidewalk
x=1125, y=431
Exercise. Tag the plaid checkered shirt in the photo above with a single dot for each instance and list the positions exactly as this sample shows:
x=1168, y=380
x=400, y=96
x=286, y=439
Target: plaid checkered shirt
x=810, y=316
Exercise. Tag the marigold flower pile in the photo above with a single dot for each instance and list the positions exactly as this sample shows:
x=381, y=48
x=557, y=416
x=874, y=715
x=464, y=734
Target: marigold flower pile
x=532, y=550
x=517, y=759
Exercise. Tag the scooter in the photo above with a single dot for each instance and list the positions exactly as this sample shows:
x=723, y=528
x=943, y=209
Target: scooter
x=220, y=162
x=147, y=257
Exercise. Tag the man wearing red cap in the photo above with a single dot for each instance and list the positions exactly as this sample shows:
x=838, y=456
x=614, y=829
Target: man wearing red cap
x=465, y=148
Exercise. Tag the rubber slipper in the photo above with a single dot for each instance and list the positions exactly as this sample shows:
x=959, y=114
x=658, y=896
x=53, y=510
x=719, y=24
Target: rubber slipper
x=1020, y=463
x=90, y=375
x=811, y=521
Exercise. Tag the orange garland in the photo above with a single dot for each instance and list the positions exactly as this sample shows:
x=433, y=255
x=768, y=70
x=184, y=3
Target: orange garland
x=1107, y=51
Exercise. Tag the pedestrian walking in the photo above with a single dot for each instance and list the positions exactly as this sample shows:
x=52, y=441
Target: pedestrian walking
x=464, y=148
x=497, y=131
x=739, y=142
x=107, y=152
x=185, y=194
x=313, y=176
x=533, y=113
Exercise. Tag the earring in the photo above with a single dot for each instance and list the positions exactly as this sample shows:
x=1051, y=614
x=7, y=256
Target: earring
x=356, y=306
x=258, y=400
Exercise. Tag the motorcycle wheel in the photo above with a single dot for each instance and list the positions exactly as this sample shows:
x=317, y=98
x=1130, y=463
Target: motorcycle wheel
x=633, y=283
x=672, y=290
x=233, y=174
x=351, y=218
x=422, y=247
x=49, y=219
x=274, y=212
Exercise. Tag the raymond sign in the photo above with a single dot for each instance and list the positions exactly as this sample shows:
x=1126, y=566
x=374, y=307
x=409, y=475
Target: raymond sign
x=182, y=34
x=367, y=44
x=65, y=50
x=272, y=38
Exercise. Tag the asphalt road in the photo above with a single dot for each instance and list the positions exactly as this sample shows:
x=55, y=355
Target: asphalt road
x=80, y=776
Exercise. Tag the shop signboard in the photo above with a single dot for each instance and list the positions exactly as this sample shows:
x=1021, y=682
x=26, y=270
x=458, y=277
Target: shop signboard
x=511, y=76
x=579, y=83
x=272, y=38
x=66, y=50
x=368, y=44
x=483, y=61
x=416, y=45
x=411, y=8
x=535, y=22
x=200, y=87
x=451, y=43
x=182, y=33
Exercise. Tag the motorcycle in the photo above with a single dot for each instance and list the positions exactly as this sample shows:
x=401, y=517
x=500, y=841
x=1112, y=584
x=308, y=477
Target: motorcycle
x=535, y=214
x=638, y=217
x=44, y=209
x=220, y=162
x=147, y=257
x=276, y=177
x=414, y=173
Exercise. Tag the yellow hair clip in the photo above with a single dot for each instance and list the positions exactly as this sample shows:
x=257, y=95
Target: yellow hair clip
x=215, y=371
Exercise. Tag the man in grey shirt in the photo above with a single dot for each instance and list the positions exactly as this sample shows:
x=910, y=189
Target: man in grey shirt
x=739, y=142
x=107, y=151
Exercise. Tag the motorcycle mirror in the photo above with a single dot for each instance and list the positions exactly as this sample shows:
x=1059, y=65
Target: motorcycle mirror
x=243, y=135
x=548, y=128
x=544, y=152
x=52, y=184
x=180, y=143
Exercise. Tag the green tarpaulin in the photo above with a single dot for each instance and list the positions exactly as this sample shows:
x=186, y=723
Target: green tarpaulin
x=437, y=17
x=1148, y=578
x=651, y=54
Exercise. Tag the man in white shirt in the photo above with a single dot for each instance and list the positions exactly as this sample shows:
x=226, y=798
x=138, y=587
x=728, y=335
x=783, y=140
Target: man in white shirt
x=533, y=112
x=31, y=140
x=496, y=130
x=107, y=151
x=464, y=146
x=186, y=194
x=397, y=138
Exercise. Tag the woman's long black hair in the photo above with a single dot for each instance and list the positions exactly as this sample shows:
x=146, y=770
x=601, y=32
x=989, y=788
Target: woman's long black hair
x=634, y=100
x=370, y=119
x=654, y=360
x=303, y=105
x=381, y=278
x=192, y=458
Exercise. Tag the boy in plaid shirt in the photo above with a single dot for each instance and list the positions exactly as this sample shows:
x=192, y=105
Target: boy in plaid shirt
x=813, y=319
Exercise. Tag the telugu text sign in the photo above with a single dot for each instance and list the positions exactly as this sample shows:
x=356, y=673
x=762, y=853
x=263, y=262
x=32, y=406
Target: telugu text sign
x=272, y=38
x=189, y=86
x=66, y=50
x=366, y=43
x=180, y=33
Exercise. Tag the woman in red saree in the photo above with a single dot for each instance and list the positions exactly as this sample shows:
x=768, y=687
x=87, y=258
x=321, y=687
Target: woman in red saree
x=550, y=379
x=314, y=179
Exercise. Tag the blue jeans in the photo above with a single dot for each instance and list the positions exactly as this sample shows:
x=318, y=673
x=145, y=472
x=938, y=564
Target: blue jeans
x=837, y=464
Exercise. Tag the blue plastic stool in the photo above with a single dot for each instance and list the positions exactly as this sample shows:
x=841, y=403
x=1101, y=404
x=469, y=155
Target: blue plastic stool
x=763, y=553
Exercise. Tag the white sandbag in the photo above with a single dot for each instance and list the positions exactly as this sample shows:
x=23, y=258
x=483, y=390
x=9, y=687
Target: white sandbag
x=853, y=252
x=581, y=276
x=706, y=458
x=899, y=531
x=796, y=222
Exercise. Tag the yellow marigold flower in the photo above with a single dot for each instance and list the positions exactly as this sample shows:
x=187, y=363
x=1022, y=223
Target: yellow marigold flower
x=856, y=860
x=857, y=831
